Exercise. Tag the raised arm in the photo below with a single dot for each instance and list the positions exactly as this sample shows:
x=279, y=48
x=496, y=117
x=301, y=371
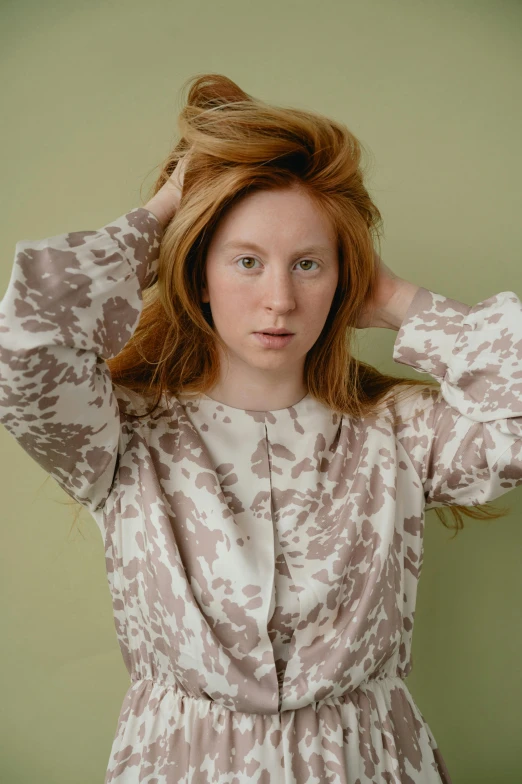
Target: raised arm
x=74, y=300
x=466, y=445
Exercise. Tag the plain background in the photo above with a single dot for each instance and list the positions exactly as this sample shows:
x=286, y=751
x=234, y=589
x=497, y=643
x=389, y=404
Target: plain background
x=90, y=97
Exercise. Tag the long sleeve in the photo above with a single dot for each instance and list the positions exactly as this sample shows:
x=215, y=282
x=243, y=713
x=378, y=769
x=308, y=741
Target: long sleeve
x=465, y=440
x=73, y=300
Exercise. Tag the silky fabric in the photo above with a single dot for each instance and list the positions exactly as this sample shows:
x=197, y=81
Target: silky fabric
x=263, y=565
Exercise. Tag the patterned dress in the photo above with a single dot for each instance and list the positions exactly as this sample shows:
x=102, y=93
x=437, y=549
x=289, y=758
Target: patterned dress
x=263, y=565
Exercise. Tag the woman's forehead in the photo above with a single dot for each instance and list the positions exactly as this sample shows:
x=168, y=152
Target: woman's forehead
x=291, y=215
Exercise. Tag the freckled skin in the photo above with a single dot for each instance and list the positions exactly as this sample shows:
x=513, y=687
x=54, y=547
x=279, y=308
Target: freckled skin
x=278, y=286
x=263, y=564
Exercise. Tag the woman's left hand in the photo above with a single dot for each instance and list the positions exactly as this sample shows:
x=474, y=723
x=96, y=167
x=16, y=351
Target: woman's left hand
x=388, y=284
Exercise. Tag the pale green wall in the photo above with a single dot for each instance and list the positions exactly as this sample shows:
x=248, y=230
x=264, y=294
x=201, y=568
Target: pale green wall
x=90, y=95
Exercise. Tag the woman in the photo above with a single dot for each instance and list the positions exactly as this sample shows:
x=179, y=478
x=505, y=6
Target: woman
x=263, y=519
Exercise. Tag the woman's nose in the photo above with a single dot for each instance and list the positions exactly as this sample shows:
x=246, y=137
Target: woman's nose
x=279, y=292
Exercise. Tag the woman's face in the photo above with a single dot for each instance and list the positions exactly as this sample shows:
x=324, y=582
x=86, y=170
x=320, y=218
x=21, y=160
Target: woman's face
x=272, y=262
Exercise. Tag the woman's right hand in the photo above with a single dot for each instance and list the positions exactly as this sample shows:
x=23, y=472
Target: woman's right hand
x=165, y=202
x=178, y=175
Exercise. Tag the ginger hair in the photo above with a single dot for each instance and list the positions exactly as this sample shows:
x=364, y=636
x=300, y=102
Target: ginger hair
x=238, y=145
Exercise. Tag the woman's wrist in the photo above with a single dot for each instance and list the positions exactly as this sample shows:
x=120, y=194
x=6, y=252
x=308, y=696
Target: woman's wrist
x=164, y=204
x=395, y=311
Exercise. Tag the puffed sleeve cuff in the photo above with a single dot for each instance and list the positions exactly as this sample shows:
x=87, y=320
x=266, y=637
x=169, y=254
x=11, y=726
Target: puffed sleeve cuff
x=139, y=233
x=428, y=333
x=475, y=352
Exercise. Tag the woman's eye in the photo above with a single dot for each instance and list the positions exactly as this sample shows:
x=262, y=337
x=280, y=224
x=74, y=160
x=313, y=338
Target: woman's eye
x=250, y=258
x=307, y=261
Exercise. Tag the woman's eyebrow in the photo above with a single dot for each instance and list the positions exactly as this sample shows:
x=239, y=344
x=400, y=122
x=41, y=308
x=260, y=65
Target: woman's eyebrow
x=259, y=249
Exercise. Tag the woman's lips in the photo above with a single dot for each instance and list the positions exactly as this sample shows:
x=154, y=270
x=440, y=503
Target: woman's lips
x=273, y=341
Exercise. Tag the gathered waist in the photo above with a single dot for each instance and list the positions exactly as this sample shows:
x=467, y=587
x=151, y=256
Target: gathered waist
x=379, y=682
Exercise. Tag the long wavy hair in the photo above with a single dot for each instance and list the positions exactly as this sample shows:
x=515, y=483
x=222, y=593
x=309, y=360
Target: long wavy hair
x=238, y=145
